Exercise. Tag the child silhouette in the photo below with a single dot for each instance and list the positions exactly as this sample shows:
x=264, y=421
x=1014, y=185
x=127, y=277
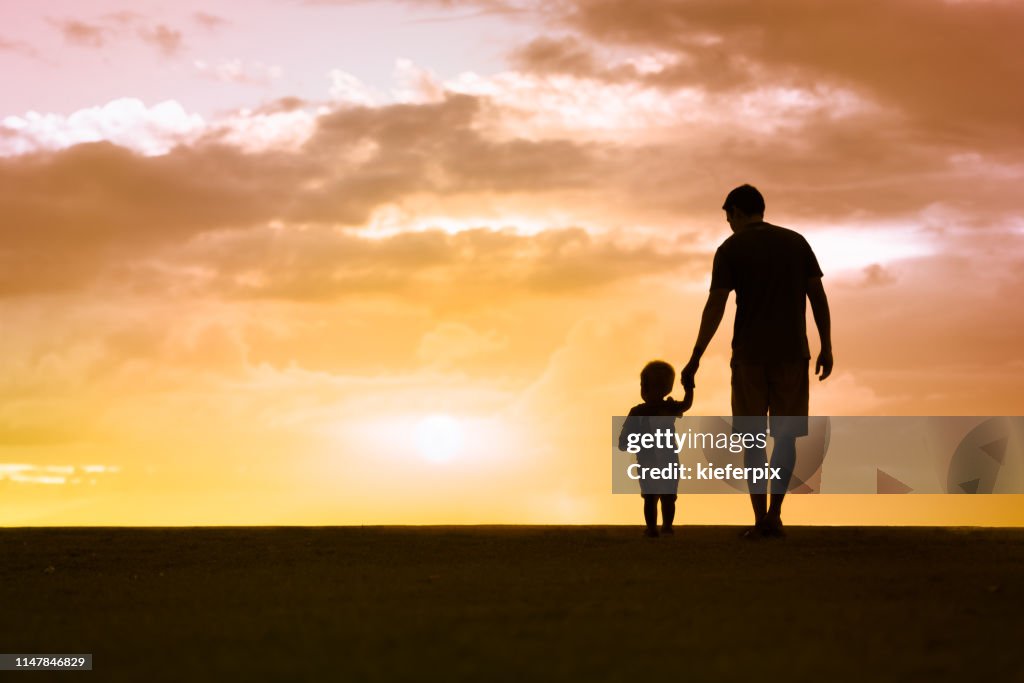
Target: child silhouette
x=658, y=411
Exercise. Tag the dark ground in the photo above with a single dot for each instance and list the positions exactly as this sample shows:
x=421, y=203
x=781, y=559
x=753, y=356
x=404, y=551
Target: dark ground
x=515, y=603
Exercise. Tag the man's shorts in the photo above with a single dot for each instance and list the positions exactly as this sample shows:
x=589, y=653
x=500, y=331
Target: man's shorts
x=777, y=388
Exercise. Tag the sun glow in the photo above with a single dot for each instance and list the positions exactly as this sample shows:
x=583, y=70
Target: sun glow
x=439, y=438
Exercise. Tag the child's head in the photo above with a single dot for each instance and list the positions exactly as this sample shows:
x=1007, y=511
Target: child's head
x=656, y=380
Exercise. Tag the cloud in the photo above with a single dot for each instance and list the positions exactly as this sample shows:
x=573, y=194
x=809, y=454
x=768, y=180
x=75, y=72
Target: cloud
x=118, y=25
x=211, y=22
x=124, y=18
x=125, y=121
x=285, y=124
x=115, y=201
x=915, y=63
x=238, y=71
x=573, y=55
x=74, y=475
x=347, y=88
x=289, y=165
x=82, y=33
x=656, y=151
x=167, y=40
x=504, y=7
x=282, y=105
x=428, y=266
x=434, y=148
x=566, y=54
x=876, y=275
x=18, y=47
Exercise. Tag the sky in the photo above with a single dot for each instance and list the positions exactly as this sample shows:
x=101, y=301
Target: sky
x=343, y=262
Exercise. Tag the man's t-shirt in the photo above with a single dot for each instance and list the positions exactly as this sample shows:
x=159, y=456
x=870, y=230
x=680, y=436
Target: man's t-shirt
x=768, y=266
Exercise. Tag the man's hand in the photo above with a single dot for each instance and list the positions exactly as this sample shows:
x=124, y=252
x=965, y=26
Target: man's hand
x=689, y=373
x=823, y=319
x=824, y=364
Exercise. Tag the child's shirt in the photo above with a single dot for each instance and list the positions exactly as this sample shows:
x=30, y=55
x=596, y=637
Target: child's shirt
x=648, y=417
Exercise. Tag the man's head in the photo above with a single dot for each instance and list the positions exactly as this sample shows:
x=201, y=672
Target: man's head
x=743, y=206
x=656, y=380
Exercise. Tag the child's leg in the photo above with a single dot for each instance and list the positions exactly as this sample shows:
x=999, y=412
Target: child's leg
x=651, y=510
x=668, y=509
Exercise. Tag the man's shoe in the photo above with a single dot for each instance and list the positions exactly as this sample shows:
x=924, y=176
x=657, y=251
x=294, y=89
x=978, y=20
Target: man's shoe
x=773, y=527
x=651, y=532
x=667, y=530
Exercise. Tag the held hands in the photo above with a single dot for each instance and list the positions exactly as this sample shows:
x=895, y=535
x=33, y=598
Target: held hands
x=824, y=364
x=690, y=371
x=687, y=402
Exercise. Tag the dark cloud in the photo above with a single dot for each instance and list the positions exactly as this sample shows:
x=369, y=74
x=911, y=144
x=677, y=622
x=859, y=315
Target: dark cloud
x=68, y=212
x=71, y=213
x=430, y=148
x=713, y=69
x=565, y=54
x=949, y=65
x=929, y=82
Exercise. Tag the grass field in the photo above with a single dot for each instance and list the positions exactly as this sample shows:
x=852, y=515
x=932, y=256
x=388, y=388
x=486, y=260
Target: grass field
x=515, y=603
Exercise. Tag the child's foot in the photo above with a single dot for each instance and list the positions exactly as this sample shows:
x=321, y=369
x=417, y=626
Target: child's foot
x=651, y=532
x=666, y=529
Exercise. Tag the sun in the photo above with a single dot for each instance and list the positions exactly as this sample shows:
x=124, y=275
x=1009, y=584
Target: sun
x=438, y=438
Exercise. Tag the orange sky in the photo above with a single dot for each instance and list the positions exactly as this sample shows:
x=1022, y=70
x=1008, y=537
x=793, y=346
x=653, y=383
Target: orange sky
x=256, y=261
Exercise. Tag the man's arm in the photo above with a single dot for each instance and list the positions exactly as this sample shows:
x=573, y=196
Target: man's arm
x=823, y=320
x=714, y=309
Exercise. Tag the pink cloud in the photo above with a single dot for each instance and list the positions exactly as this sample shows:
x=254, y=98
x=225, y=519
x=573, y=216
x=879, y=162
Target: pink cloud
x=165, y=39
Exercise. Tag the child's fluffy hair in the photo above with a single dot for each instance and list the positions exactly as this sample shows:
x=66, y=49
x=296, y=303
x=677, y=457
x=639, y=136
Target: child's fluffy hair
x=659, y=375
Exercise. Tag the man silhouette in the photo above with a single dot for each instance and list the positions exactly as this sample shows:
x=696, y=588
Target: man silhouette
x=774, y=272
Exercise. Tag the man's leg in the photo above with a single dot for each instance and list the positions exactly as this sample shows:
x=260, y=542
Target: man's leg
x=755, y=456
x=749, y=409
x=788, y=399
x=783, y=458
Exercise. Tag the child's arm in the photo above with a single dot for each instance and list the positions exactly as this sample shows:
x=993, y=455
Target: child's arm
x=628, y=427
x=687, y=400
x=680, y=407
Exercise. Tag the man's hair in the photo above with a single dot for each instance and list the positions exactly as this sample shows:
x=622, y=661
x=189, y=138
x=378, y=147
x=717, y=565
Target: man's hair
x=659, y=375
x=747, y=199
